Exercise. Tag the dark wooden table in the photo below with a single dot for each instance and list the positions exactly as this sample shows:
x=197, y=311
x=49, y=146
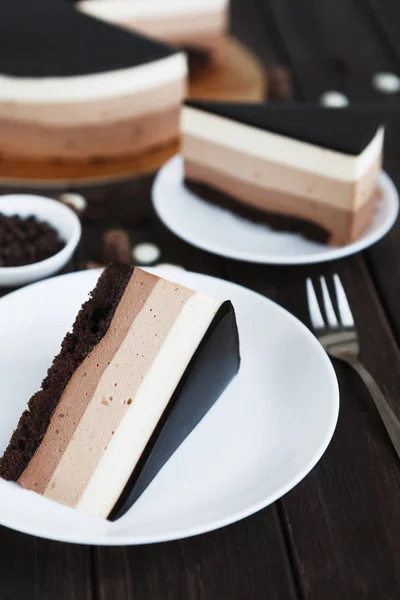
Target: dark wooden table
x=337, y=534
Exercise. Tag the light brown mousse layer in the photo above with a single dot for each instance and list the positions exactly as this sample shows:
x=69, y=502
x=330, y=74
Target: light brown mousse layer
x=86, y=142
x=344, y=226
x=95, y=111
x=253, y=171
x=81, y=387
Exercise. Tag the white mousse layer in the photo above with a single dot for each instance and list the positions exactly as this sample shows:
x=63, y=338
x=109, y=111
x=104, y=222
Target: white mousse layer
x=94, y=86
x=279, y=149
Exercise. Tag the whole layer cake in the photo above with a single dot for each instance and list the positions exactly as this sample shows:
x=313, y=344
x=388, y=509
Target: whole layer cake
x=145, y=361
x=301, y=168
x=190, y=24
x=72, y=87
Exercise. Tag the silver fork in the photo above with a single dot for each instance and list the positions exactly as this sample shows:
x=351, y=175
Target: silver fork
x=340, y=339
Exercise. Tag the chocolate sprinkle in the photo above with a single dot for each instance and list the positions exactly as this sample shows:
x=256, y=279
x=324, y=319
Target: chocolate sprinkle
x=24, y=241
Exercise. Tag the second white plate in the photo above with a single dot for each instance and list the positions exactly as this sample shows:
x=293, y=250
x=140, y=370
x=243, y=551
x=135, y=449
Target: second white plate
x=221, y=232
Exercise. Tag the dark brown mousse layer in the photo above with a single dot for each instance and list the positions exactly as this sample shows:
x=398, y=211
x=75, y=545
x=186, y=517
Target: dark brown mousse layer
x=90, y=326
x=26, y=240
x=279, y=222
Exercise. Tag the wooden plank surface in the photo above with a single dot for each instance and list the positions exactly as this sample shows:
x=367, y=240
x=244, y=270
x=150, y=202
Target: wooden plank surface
x=385, y=16
x=36, y=569
x=330, y=45
x=241, y=562
x=246, y=25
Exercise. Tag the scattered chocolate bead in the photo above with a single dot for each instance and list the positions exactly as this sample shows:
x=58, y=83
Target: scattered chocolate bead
x=117, y=246
x=146, y=254
x=75, y=202
x=388, y=83
x=26, y=240
x=280, y=83
x=334, y=99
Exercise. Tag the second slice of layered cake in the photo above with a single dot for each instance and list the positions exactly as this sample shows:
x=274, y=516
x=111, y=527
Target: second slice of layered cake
x=300, y=168
x=145, y=361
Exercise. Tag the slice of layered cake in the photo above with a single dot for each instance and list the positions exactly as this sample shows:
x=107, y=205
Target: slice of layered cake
x=190, y=24
x=300, y=168
x=75, y=88
x=146, y=359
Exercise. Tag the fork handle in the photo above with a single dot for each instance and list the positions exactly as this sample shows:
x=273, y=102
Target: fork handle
x=392, y=423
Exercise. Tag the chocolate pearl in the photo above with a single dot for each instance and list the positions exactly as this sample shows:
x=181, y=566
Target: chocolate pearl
x=117, y=246
x=387, y=83
x=146, y=253
x=334, y=99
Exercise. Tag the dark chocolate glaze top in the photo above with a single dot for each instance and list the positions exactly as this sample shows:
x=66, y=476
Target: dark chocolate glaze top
x=347, y=130
x=50, y=38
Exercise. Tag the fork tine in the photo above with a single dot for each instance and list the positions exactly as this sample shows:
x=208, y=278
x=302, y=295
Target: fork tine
x=313, y=307
x=345, y=313
x=329, y=310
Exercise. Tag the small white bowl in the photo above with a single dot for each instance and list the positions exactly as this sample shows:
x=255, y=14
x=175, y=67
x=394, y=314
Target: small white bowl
x=64, y=221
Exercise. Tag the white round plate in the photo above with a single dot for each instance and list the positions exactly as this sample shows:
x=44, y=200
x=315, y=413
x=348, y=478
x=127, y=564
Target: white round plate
x=221, y=232
x=265, y=433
